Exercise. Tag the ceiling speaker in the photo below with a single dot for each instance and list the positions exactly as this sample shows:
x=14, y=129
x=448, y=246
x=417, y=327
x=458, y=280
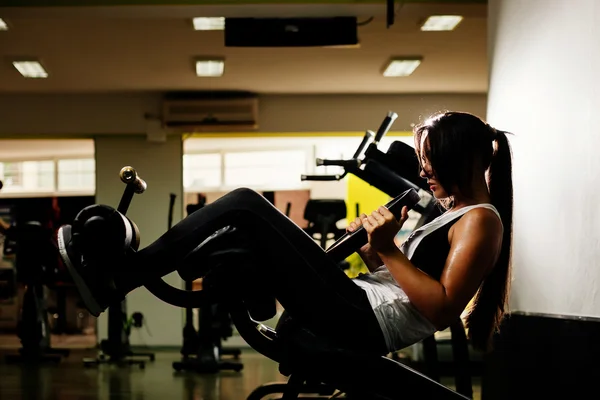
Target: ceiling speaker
x=290, y=32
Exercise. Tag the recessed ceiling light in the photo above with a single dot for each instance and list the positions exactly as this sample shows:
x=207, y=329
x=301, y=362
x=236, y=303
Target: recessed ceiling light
x=209, y=24
x=30, y=69
x=441, y=23
x=401, y=67
x=3, y=25
x=213, y=67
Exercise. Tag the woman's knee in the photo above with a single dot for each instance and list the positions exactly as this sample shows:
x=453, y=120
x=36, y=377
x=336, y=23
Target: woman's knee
x=250, y=199
x=245, y=192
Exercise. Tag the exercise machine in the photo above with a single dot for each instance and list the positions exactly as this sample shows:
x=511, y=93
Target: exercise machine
x=36, y=267
x=302, y=355
x=392, y=172
x=117, y=349
x=202, y=349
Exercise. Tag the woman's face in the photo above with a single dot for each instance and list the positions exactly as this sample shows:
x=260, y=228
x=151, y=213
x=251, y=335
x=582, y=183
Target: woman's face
x=427, y=171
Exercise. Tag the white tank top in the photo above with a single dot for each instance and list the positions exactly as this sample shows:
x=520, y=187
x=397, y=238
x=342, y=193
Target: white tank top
x=402, y=325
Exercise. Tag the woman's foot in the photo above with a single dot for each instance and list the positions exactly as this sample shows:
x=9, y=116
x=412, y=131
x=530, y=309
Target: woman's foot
x=95, y=281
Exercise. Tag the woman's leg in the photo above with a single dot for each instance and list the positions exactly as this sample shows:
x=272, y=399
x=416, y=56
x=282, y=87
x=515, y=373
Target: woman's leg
x=315, y=292
x=312, y=289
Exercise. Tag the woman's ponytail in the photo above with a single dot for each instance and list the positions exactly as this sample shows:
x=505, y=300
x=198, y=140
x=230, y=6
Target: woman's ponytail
x=491, y=300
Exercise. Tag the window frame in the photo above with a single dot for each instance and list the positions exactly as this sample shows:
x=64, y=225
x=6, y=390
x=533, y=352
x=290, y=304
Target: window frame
x=54, y=191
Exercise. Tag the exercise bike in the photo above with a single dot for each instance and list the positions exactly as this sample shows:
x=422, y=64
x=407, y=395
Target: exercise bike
x=202, y=350
x=36, y=266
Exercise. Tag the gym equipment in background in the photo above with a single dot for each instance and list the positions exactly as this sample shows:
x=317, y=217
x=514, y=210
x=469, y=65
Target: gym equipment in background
x=322, y=216
x=117, y=349
x=8, y=277
x=36, y=266
x=64, y=315
x=392, y=172
x=190, y=335
x=202, y=349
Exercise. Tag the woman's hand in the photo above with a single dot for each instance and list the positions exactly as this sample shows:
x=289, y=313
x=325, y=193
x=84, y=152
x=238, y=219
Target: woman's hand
x=368, y=255
x=357, y=223
x=382, y=227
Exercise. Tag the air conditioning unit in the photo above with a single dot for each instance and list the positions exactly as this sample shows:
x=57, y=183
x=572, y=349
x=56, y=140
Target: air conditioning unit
x=211, y=114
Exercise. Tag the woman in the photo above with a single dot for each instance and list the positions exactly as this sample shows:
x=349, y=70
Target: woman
x=412, y=291
x=462, y=254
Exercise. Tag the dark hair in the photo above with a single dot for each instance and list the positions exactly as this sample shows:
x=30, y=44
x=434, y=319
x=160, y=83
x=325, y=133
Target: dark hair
x=456, y=143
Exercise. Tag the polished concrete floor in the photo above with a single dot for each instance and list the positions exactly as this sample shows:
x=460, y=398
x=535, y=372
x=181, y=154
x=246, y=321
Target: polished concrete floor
x=10, y=341
x=69, y=380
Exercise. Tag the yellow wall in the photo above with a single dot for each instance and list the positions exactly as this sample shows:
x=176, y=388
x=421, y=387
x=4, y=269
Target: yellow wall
x=368, y=197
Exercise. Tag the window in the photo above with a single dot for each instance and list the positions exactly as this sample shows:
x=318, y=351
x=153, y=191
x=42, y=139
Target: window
x=76, y=175
x=202, y=171
x=48, y=176
x=28, y=176
x=256, y=169
x=12, y=174
x=38, y=175
x=275, y=169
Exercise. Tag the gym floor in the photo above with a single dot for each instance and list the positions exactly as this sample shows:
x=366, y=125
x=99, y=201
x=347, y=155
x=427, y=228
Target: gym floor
x=69, y=380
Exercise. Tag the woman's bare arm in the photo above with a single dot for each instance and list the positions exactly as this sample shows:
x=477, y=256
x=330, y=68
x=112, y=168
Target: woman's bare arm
x=475, y=244
x=370, y=257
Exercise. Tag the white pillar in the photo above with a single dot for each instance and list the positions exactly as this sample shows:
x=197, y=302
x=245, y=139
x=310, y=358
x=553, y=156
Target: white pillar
x=544, y=73
x=160, y=165
x=543, y=87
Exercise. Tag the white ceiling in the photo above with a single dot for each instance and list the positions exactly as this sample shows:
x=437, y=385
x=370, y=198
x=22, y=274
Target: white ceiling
x=150, y=48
